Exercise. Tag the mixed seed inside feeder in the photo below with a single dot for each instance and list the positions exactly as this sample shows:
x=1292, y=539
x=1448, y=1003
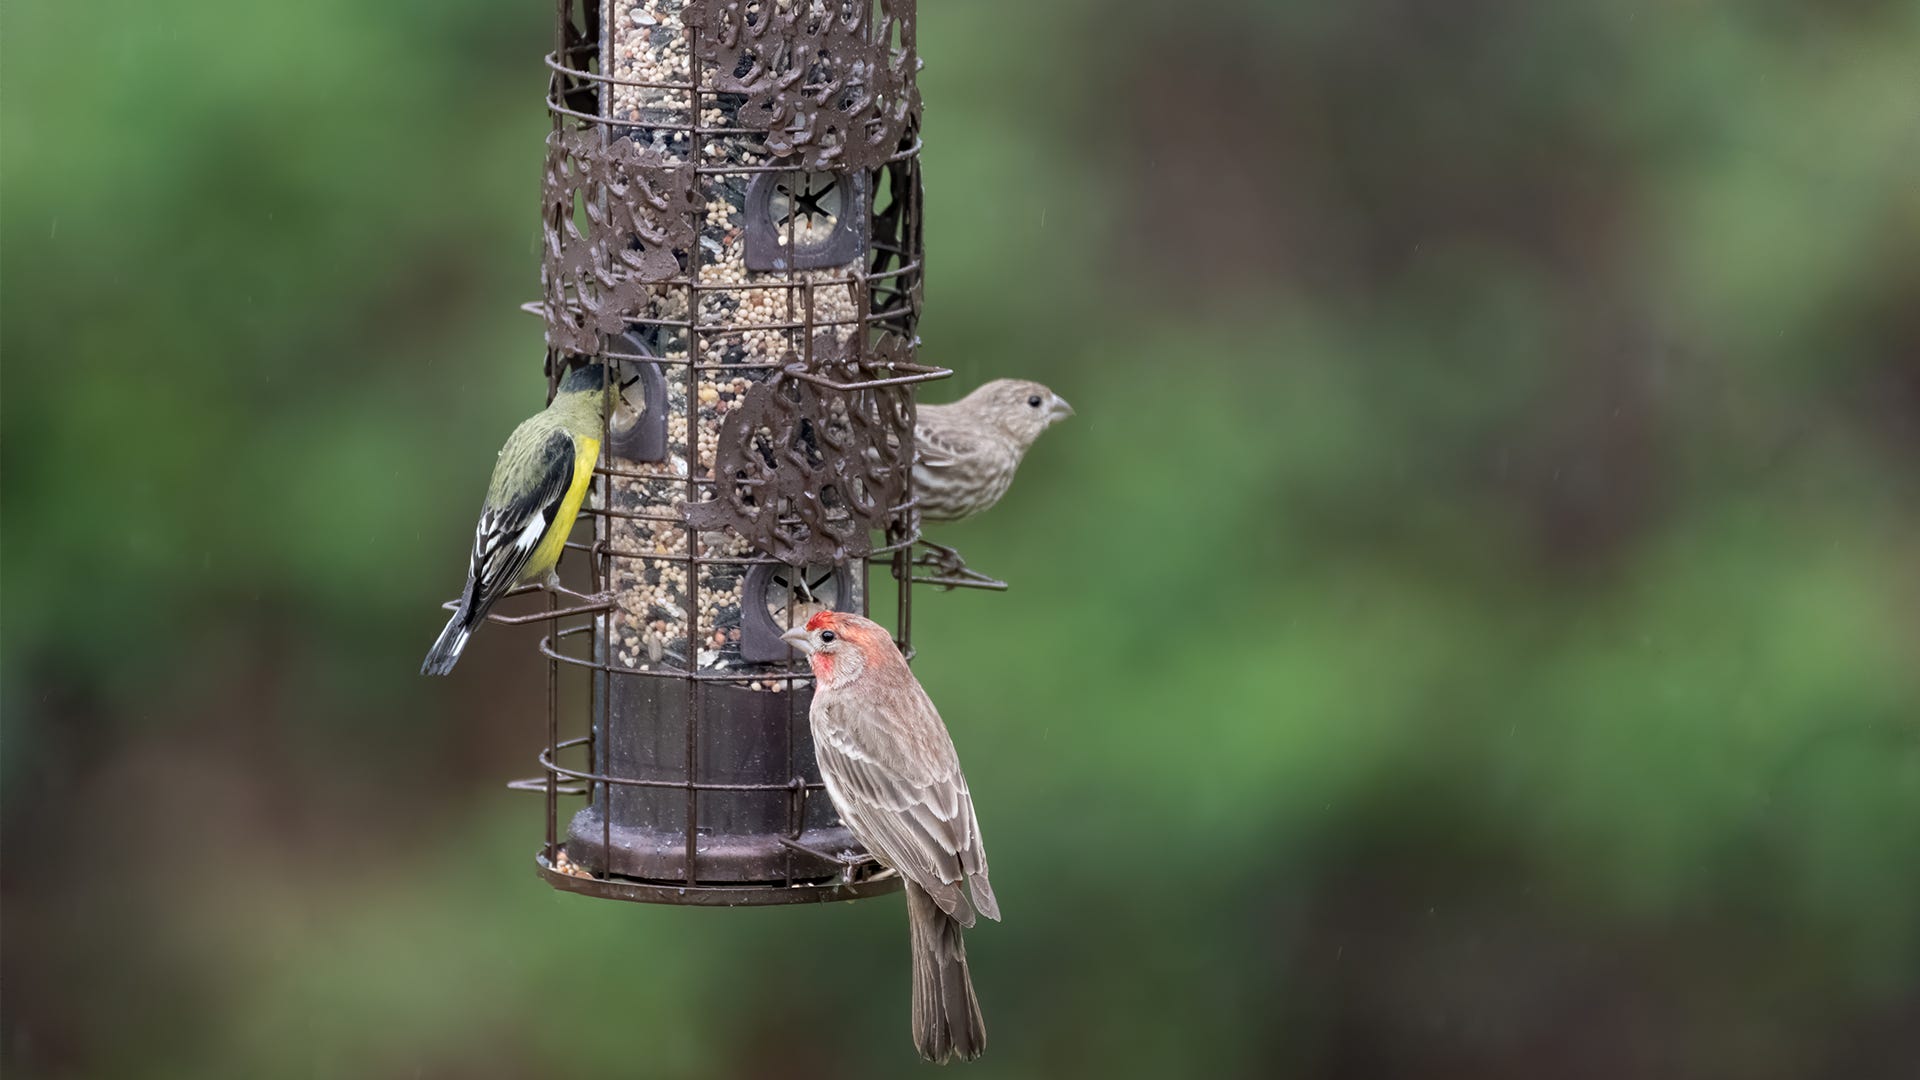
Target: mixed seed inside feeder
x=751, y=318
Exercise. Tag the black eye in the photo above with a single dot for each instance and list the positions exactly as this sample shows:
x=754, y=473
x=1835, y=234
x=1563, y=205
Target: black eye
x=1034, y=401
x=826, y=637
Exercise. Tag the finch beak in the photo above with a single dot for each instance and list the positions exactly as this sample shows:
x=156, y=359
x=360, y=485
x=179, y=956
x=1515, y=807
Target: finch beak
x=797, y=637
x=1060, y=410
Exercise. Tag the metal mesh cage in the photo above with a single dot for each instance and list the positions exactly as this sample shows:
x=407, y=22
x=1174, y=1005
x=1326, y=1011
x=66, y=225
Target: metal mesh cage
x=732, y=223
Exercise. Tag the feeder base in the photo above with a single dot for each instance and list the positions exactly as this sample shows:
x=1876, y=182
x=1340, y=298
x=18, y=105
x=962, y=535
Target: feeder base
x=653, y=853
x=879, y=883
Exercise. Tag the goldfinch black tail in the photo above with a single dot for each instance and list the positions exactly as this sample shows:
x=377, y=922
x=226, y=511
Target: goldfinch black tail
x=446, y=652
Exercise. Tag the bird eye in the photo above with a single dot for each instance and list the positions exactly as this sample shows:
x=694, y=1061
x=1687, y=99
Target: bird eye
x=1034, y=401
x=826, y=637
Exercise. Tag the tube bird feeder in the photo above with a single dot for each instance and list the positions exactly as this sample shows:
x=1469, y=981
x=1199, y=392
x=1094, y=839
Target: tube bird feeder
x=732, y=225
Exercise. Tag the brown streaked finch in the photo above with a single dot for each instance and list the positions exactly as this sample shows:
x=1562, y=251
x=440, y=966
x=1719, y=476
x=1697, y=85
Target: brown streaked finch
x=891, y=771
x=966, y=451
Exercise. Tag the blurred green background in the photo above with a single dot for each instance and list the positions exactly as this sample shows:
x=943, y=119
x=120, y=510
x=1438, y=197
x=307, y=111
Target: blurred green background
x=1472, y=627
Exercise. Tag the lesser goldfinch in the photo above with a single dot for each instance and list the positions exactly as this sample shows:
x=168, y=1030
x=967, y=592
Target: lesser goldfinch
x=891, y=771
x=539, y=482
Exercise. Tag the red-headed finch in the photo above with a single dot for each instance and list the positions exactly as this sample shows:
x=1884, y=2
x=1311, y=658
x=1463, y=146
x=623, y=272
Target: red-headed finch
x=891, y=771
x=966, y=451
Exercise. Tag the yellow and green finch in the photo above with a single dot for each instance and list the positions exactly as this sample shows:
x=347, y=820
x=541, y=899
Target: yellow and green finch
x=539, y=482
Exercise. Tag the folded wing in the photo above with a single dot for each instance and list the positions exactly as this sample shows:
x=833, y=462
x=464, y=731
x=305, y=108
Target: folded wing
x=904, y=796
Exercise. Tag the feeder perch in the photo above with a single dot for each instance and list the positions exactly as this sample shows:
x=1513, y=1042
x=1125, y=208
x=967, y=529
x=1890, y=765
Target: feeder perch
x=732, y=225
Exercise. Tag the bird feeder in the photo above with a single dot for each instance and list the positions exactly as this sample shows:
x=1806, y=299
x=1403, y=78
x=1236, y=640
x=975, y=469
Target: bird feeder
x=732, y=225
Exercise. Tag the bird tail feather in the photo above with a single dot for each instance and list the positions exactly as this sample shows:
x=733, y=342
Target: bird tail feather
x=446, y=651
x=946, y=1015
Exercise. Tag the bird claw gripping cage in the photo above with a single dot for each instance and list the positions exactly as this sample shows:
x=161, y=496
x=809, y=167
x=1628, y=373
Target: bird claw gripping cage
x=732, y=225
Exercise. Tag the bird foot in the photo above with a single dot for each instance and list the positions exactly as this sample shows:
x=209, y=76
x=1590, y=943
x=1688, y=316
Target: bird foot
x=941, y=557
x=949, y=571
x=599, y=599
x=848, y=860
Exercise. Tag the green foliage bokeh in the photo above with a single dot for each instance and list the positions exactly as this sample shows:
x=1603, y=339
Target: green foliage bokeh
x=1470, y=627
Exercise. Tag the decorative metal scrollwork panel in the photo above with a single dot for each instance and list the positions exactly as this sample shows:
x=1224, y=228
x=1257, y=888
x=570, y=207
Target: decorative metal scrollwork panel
x=831, y=82
x=806, y=472
x=618, y=218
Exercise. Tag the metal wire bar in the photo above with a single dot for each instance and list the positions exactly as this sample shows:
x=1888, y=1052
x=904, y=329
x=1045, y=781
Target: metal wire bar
x=873, y=355
x=718, y=676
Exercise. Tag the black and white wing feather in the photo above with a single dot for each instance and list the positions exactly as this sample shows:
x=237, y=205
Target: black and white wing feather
x=530, y=483
x=512, y=526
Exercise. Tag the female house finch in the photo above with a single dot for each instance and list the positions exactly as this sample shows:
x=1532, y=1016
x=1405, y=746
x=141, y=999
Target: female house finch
x=539, y=482
x=966, y=451
x=891, y=771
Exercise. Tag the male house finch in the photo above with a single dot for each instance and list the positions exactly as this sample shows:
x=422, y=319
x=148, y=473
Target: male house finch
x=891, y=771
x=967, y=450
x=539, y=481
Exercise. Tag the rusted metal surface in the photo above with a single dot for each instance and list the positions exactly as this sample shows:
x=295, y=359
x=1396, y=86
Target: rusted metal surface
x=731, y=219
x=832, y=85
x=617, y=218
x=895, y=245
x=752, y=786
x=873, y=882
x=809, y=471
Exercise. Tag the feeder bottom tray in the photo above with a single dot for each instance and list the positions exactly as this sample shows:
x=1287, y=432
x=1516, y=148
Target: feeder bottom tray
x=869, y=879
